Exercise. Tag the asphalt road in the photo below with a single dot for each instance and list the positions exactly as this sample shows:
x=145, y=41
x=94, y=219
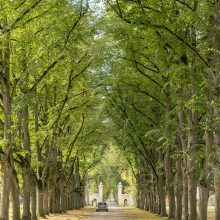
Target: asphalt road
x=112, y=214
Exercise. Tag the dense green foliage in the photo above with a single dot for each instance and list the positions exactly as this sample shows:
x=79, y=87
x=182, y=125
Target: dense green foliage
x=78, y=77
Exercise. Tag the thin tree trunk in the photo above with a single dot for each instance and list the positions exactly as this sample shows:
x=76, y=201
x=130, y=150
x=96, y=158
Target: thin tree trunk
x=203, y=202
x=179, y=186
x=45, y=203
x=15, y=193
x=26, y=215
x=161, y=192
x=193, y=136
x=6, y=102
x=33, y=202
x=182, y=136
x=57, y=200
x=6, y=188
x=40, y=202
x=216, y=94
x=40, y=205
x=205, y=179
x=168, y=160
x=192, y=180
x=62, y=199
x=217, y=193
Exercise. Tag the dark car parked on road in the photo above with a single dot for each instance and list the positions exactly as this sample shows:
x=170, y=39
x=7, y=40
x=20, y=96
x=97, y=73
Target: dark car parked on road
x=102, y=206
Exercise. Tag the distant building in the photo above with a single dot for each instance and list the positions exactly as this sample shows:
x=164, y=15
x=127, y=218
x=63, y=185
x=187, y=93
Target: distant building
x=93, y=198
x=124, y=199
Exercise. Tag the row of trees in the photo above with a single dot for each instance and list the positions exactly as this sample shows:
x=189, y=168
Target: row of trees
x=49, y=123
x=163, y=100
x=154, y=71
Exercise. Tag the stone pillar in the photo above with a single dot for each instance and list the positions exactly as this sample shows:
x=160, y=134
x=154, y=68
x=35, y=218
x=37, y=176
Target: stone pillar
x=120, y=202
x=100, y=192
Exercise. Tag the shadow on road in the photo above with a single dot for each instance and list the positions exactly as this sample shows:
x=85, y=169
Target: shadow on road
x=112, y=214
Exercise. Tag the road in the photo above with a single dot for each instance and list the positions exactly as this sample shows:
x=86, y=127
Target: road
x=112, y=214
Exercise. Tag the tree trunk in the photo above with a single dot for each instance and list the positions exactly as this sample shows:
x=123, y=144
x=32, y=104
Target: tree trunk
x=146, y=200
x=6, y=102
x=15, y=193
x=193, y=136
x=168, y=161
x=63, y=199
x=162, y=200
x=57, y=200
x=26, y=170
x=45, y=203
x=216, y=94
x=6, y=188
x=217, y=193
x=182, y=137
x=26, y=215
x=33, y=202
x=40, y=202
x=40, y=205
x=205, y=179
x=192, y=180
x=179, y=180
x=203, y=202
x=155, y=204
x=185, y=192
x=169, y=183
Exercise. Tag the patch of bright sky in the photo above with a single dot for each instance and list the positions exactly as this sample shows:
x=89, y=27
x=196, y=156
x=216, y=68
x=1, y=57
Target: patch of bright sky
x=98, y=7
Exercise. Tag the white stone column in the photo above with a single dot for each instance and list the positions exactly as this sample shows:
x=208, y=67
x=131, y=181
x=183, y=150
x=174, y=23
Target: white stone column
x=120, y=202
x=100, y=192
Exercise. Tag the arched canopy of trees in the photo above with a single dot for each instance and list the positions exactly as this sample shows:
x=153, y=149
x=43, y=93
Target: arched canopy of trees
x=78, y=76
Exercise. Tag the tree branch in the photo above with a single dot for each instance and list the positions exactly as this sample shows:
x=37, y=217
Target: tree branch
x=81, y=15
x=46, y=72
x=147, y=94
x=163, y=27
x=75, y=138
x=185, y=4
x=24, y=13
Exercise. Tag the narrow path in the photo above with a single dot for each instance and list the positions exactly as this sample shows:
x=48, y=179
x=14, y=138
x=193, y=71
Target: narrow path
x=112, y=214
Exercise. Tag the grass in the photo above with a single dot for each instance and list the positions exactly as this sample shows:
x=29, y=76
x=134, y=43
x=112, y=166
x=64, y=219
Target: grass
x=71, y=215
x=141, y=214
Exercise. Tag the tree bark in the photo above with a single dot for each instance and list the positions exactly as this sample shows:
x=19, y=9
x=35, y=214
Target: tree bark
x=15, y=193
x=168, y=160
x=46, y=202
x=6, y=102
x=179, y=180
x=40, y=202
x=182, y=136
x=216, y=94
x=205, y=177
x=192, y=180
x=162, y=198
x=63, y=198
x=57, y=200
x=40, y=205
x=26, y=170
x=203, y=202
x=33, y=202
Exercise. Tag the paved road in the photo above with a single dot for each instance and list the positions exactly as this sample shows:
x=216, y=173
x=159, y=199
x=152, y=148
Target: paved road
x=112, y=214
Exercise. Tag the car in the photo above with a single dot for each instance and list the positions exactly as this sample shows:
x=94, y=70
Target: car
x=102, y=206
